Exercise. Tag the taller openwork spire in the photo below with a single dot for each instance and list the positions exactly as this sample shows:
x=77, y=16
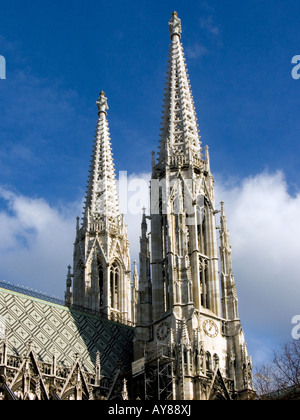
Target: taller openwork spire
x=179, y=134
x=102, y=199
x=182, y=311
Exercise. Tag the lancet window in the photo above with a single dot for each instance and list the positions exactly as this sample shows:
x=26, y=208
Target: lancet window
x=114, y=286
x=101, y=281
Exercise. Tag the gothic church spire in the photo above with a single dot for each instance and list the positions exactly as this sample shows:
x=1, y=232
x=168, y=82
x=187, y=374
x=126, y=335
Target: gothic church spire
x=101, y=249
x=180, y=303
x=102, y=198
x=179, y=132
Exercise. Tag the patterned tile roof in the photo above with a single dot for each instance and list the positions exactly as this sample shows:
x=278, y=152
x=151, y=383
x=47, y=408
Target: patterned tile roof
x=48, y=326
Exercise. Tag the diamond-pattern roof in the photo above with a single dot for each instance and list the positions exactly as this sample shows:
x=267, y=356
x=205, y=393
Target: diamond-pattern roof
x=47, y=326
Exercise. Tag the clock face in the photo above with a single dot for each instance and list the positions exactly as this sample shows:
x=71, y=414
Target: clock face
x=163, y=331
x=210, y=328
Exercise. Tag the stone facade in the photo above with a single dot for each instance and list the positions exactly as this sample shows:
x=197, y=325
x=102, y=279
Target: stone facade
x=186, y=322
x=177, y=321
x=101, y=278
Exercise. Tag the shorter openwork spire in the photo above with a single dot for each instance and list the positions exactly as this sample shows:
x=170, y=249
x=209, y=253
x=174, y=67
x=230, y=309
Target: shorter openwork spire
x=101, y=279
x=102, y=198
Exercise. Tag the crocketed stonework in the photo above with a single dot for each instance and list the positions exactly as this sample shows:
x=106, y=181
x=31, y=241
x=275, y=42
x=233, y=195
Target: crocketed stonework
x=189, y=338
x=174, y=331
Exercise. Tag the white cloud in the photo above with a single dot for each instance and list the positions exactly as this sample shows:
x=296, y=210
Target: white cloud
x=264, y=233
x=36, y=242
x=208, y=24
x=37, y=245
x=196, y=51
x=137, y=198
x=264, y=230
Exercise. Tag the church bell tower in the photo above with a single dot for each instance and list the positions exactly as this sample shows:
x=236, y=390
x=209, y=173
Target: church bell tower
x=189, y=336
x=101, y=278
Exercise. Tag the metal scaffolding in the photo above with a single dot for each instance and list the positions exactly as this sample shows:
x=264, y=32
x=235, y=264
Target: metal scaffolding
x=159, y=372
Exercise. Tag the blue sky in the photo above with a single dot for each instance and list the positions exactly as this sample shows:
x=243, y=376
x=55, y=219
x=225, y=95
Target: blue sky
x=61, y=54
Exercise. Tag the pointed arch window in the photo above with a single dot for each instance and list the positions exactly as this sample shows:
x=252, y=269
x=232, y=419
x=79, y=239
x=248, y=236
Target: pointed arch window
x=201, y=223
x=166, y=286
x=204, y=282
x=185, y=357
x=216, y=361
x=176, y=205
x=208, y=361
x=114, y=286
x=101, y=282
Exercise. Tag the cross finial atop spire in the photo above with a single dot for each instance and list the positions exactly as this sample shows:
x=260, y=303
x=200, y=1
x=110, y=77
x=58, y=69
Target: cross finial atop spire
x=175, y=25
x=102, y=103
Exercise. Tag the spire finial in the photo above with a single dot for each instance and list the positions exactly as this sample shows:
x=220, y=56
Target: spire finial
x=223, y=209
x=135, y=272
x=102, y=103
x=175, y=25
